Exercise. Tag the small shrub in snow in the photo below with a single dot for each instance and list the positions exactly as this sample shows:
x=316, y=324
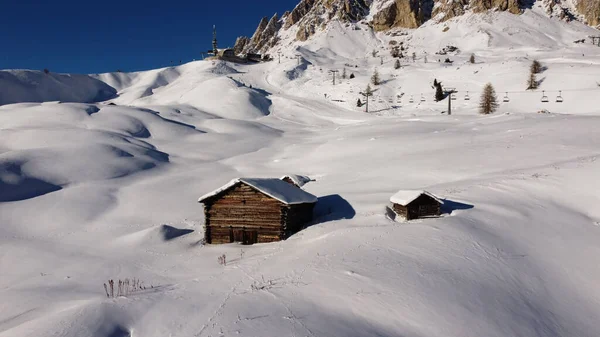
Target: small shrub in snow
x=123, y=287
x=489, y=101
x=352, y=75
x=46, y=71
x=472, y=58
x=262, y=285
x=358, y=103
x=397, y=64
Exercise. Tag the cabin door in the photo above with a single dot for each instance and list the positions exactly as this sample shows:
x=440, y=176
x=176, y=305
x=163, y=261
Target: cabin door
x=251, y=237
x=244, y=236
x=238, y=235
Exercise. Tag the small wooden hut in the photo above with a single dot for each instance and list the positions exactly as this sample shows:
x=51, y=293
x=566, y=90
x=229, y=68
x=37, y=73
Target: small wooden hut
x=414, y=204
x=255, y=210
x=296, y=180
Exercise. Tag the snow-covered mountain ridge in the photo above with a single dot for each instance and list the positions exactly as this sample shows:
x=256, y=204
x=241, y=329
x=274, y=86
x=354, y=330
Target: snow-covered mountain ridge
x=310, y=16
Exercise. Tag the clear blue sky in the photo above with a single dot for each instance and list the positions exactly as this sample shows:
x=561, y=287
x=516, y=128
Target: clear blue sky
x=80, y=36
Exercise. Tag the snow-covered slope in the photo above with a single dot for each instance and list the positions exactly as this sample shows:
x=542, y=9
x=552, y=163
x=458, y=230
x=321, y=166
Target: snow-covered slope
x=37, y=86
x=97, y=191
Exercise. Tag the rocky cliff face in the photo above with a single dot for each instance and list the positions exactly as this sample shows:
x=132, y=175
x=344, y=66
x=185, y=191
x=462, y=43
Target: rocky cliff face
x=309, y=16
x=590, y=9
x=403, y=13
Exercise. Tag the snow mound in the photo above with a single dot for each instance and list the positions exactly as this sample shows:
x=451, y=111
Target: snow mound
x=18, y=86
x=205, y=86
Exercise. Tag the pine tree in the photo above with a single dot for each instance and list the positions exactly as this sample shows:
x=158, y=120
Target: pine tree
x=532, y=82
x=359, y=103
x=536, y=67
x=489, y=101
x=375, y=78
x=414, y=57
x=351, y=75
x=344, y=73
x=397, y=64
x=472, y=58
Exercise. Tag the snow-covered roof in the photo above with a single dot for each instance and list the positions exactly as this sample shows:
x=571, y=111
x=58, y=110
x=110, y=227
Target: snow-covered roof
x=297, y=179
x=405, y=197
x=275, y=188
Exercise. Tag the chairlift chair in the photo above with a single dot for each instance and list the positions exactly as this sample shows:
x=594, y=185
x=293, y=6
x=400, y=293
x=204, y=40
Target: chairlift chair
x=506, y=99
x=544, y=97
x=411, y=100
x=422, y=98
x=559, y=98
x=467, y=96
x=453, y=97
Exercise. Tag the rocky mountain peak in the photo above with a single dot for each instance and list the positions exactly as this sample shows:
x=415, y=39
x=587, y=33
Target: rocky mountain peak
x=310, y=16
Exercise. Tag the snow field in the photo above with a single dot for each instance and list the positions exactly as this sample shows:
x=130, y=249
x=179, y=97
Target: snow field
x=94, y=191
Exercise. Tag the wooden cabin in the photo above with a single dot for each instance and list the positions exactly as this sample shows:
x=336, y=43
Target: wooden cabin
x=296, y=180
x=255, y=210
x=411, y=204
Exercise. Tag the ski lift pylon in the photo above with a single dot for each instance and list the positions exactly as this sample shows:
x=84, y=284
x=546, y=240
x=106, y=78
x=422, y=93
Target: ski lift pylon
x=506, y=99
x=544, y=97
x=559, y=98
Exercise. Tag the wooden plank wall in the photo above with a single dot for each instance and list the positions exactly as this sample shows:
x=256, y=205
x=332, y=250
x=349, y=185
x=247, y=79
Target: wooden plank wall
x=420, y=207
x=401, y=210
x=243, y=207
x=295, y=217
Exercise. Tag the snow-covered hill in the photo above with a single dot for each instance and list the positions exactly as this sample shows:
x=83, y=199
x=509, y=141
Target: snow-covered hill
x=36, y=86
x=106, y=188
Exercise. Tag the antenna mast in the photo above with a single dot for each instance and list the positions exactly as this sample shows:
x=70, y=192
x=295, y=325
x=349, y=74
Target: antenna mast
x=214, y=41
